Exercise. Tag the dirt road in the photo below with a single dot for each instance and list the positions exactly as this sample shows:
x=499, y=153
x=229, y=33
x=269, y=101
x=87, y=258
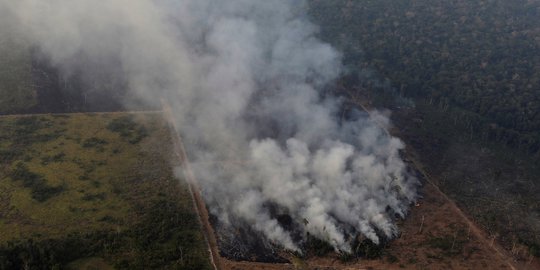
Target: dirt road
x=200, y=206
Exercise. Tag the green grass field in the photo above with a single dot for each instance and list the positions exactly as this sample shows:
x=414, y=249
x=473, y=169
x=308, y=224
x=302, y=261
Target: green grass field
x=94, y=191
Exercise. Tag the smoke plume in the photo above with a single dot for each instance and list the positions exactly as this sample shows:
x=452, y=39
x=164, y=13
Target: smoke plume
x=245, y=80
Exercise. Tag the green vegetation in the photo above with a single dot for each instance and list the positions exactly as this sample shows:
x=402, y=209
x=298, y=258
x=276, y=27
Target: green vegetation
x=39, y=189
x=128, y=129
x=463, y=80
x=94, y=142
x=76, y=195
x=56, y=158
x=477, y=56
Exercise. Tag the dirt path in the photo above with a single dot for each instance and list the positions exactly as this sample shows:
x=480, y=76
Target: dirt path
x=194, y=189
x=479, y=233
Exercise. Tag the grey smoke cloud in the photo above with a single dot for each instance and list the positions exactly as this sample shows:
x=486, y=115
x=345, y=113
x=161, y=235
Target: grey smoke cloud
x=245, y=79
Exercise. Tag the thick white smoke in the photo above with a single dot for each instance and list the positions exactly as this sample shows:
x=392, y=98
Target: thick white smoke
x=244, y=78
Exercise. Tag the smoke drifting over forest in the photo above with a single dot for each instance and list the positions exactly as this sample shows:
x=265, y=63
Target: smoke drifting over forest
x=245, y=79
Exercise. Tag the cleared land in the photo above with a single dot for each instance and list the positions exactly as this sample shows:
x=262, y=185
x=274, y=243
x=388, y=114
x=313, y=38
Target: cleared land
x=434, y=236
x=94, y=190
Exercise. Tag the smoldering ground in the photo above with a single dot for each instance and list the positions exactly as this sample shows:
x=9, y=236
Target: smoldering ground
x=245, y=80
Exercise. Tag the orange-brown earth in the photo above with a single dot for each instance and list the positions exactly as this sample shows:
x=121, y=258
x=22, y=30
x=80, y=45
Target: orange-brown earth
x=435, y=235
x=445, y=240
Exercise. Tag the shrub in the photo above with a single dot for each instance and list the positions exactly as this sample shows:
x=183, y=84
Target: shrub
x=40, y=191
x=93, y=197
x=94, y=142
x=128, y=128
x=8, y=155
x=56, y=158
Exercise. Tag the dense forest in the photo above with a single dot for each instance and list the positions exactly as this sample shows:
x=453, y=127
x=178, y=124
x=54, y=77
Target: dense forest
x=479, y=57
x=462, y=79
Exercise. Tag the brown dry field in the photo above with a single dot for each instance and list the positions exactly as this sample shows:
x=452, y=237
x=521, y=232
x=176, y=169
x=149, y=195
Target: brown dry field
x=446, y=240
x=435, y=235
